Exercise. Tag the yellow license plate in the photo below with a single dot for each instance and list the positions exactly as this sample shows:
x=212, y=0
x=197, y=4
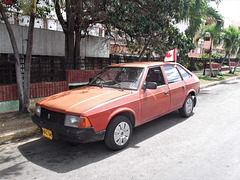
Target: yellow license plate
x=47, y=133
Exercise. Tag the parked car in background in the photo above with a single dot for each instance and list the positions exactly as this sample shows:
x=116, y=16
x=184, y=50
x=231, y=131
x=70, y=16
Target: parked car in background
x=120, y=97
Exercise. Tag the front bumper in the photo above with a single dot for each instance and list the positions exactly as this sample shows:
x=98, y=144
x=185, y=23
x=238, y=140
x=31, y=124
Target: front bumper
x=79, y=135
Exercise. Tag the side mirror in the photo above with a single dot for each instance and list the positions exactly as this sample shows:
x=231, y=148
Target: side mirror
x=150, y=85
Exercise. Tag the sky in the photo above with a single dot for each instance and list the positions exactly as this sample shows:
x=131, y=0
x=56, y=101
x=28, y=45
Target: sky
x=230, y=10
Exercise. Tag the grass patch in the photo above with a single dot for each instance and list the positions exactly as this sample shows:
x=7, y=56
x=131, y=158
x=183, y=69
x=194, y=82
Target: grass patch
x=237, y=73
x=221, y=76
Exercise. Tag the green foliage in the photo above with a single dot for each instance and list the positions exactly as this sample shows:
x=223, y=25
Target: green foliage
x=205, y=56
x=151, y=24
x=200, y=12
x=211, y=31
x=203, y=77
x=220, y=76
x=184, y=44
x=214, y=56
x=231, y=40
x=217, y=55
x=24, y=8
x=206, y=79
x=237, y=72
x=193, y=64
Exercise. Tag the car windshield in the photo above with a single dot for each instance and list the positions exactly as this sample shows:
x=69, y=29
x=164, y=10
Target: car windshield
x=119, y=77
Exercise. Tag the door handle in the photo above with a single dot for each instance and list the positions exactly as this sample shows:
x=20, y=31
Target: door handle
x=184, y=87
x=166, y=93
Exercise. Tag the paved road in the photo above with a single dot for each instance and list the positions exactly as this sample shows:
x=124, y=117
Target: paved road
x=204, y=146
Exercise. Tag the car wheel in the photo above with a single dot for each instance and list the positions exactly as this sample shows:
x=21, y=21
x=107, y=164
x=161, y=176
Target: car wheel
x=187, y=107
x=118, y=133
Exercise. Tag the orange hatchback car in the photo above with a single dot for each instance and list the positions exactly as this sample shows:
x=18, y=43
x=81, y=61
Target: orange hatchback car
x=120, y=97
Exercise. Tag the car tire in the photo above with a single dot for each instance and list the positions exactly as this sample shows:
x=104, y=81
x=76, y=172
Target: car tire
x=187, y=108
x=118, y=133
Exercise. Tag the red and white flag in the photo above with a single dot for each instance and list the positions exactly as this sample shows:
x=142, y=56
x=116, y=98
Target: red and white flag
x=171, y=56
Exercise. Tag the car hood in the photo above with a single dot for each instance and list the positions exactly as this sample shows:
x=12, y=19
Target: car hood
x=79, y=100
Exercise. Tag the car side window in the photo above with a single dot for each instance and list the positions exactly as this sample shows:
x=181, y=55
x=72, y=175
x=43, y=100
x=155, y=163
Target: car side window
x=184, y=74
x=155, y=75
x=172, y=74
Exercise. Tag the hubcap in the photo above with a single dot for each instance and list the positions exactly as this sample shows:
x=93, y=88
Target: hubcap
x=121, y=133
x=189, y=106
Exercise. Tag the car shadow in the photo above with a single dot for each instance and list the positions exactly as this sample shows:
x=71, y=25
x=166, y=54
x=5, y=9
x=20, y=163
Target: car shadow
x=61, y=157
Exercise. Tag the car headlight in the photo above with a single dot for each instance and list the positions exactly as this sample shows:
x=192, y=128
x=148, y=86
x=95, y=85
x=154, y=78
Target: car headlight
x=38, y=111
x=71, y=121
x=76, y=121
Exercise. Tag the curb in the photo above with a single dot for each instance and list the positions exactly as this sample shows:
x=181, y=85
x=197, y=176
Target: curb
x=218, y=82
x=23, y=133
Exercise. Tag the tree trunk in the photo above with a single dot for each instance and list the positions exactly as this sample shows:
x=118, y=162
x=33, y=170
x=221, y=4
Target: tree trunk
x=27, y=64
x=229, y=64
x=70, y=31
x=179, y=59
x=77, y=47
x=70, y=44
x=210, y=61
x=204, y=67
x=145, y=47
x=63, y=24
x=235, y=68
x=220, y=66
x=16, y=58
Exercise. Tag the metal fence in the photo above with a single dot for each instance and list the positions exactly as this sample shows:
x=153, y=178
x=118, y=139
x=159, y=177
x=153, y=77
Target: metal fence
x=7, y=73
x=50, y=69
x=47, y=69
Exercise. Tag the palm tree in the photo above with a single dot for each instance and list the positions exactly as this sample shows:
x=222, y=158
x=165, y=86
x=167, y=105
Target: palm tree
x=214, y=33
x=200, y=12
x=231, y=42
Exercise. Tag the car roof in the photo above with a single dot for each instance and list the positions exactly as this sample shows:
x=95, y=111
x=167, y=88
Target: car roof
x=140, y=64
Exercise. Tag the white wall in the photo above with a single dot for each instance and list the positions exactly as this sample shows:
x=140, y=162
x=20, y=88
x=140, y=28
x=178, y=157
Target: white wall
x=51, y=43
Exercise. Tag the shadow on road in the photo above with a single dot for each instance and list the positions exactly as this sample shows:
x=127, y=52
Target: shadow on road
x=229, y=83
x=204, y=91
x=61, y=157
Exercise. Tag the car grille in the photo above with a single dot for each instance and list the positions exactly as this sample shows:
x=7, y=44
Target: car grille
x=52, y=116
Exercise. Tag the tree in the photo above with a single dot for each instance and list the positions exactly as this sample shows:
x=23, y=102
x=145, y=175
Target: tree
x=144, y=23
x=198, y=13
x=231, y=43
x=23, y=85
x=184, y=46
x=213, y=32
x=80, y=15
x=150, y=24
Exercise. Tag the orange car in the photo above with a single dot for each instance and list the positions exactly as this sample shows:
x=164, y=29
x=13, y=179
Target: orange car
x=120, y=97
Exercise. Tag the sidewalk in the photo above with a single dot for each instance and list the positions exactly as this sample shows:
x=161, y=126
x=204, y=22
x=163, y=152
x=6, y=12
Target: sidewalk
x=14, y=126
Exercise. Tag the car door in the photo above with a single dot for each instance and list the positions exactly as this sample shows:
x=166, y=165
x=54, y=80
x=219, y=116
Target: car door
x=154, y=102
x=177, y=87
